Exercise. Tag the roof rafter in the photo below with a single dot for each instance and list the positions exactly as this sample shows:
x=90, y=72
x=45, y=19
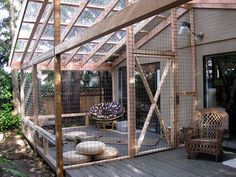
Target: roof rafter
x=123, y=41
x=34, y=29
x=164, y=24
x=50, y=10
x=73, y=21
x=101, y=16
x=123, y=18
x=15, y=37
x=71, y=66
x=77, y=5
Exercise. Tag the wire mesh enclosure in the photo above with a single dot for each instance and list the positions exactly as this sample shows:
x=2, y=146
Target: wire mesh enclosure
x=106, y=92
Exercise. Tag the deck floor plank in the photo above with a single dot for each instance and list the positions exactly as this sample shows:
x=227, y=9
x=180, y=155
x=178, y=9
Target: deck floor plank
x=129, y=169
x=114, y=168
x=206, y=166
x=173, y=163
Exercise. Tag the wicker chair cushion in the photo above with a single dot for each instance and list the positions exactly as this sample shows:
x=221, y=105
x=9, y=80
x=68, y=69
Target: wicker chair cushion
x=90, y=148
x=106, y=111
x=110, y=152
x=71, y=157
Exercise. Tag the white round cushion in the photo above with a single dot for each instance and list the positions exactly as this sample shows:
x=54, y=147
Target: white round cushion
x=71, y=136
x=110, y=152
x=90, y=148
x=71, y=157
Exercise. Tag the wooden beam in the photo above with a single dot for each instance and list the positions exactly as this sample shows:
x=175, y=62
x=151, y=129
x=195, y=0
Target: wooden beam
x=194, y=58
x=124, y=18
x=98, y=46
x=35, y=94
x=38, y=59
x=82, y=6
x=153, y=106
x=114, y=90
x=101, y=16
x=35, y=26
x=215, y=6
x=123, y=41
x=67, y=115
x=212, y=1
x=150, y=95
x=70, y=66
x=154, y=52
x=159, y=28
x=15, y=37
x=22, y=95
x=131, y=108
x=155, y=31
x=175, y=69
x=77, y=4
x=42, y=29
x=35, y=104
x=73, y=21
x=57, y=87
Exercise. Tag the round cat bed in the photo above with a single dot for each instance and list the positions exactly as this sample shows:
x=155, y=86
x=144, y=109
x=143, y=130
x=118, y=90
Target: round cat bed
x=72, y=136
x=90, y=147
x=106, y=111
x=71, y=158
x=110, y=152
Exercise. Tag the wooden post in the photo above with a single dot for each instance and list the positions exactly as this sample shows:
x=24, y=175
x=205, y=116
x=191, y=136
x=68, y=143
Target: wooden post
x=16, y=92
x=57, y=87
x=35, y=95
x=113, y=85
x=193, y=47
x=45, y=146
x=35, y=106
x=22, y=95
x=131, y=108
x=175, y=121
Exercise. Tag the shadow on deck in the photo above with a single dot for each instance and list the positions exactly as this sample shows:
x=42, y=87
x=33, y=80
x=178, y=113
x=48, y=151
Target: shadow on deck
x=173, y=163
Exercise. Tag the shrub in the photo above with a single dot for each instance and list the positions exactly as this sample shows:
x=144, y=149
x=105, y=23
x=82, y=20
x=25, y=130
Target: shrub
x=7, y=120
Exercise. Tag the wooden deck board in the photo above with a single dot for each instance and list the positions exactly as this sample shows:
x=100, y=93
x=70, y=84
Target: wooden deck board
x=173, y=163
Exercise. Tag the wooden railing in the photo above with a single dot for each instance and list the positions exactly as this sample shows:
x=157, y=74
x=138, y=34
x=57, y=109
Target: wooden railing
x=30, y=130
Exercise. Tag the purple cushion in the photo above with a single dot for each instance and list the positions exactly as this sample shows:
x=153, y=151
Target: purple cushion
x=106, y=111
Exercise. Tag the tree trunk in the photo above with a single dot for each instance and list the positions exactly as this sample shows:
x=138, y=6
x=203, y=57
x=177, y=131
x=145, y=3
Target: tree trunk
x=14, y=73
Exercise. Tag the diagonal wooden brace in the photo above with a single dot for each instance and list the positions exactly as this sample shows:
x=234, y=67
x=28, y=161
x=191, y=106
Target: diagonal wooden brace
x=153, y=106
x=150, y=95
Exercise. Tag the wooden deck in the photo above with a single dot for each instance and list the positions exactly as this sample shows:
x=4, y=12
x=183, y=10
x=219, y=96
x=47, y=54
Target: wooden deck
x=173, y=163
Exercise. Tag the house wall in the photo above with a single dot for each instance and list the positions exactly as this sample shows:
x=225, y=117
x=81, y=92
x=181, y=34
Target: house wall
x=219, y=37
x=219, y=28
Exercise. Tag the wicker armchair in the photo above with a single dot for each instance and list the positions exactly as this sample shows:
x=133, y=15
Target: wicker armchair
x=206, y=132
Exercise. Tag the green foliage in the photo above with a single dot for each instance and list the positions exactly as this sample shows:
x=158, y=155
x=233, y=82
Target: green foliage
x=5, y=35
x=5, y=88
x=7, y=120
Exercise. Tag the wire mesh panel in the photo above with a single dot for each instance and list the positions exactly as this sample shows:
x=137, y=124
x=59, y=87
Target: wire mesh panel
x=101, y=118
x=90, y=119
